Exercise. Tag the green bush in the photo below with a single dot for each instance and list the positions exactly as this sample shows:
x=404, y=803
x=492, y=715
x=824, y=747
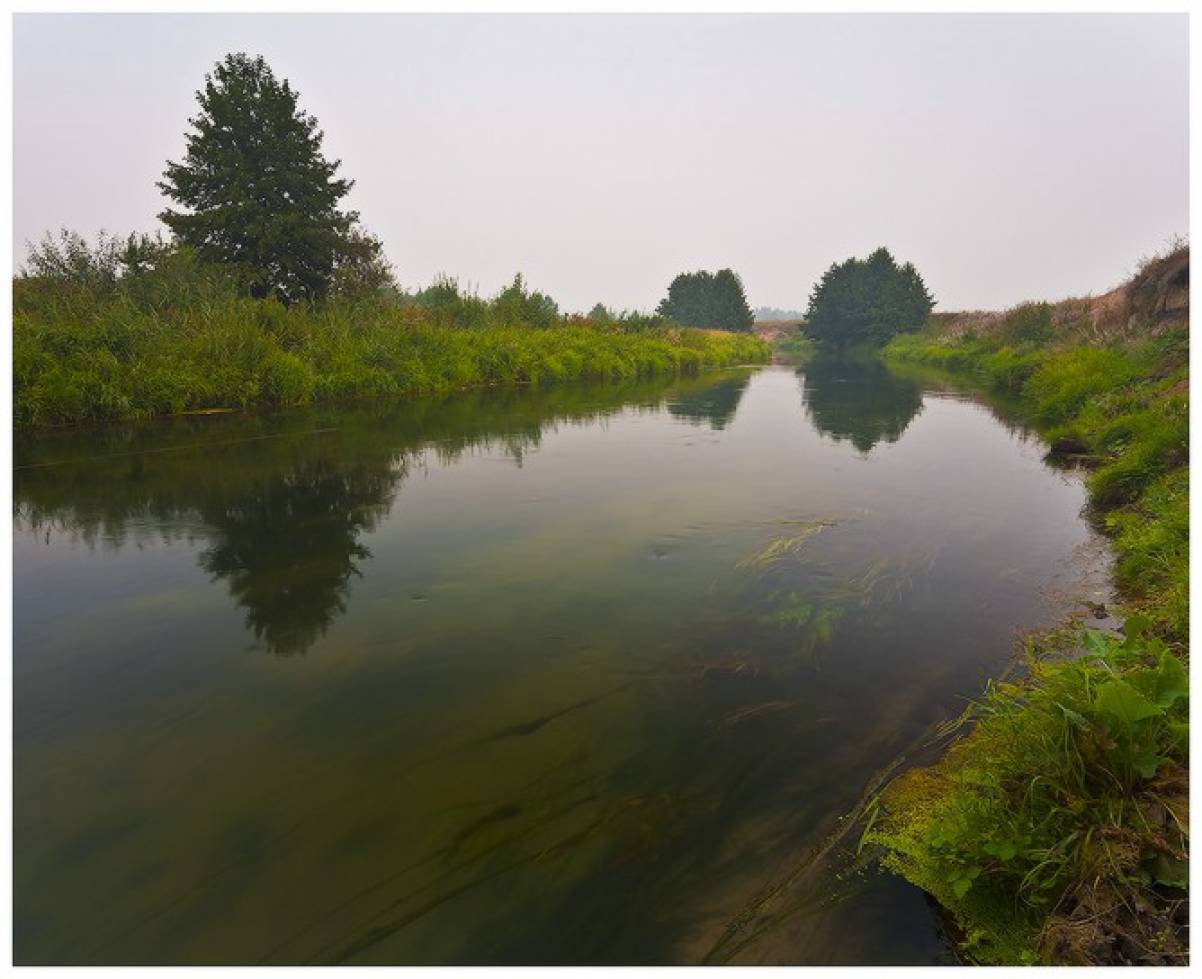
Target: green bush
x=1027, y=323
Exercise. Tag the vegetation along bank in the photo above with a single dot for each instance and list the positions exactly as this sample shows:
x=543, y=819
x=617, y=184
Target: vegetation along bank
x=267, y=293
x=182, y=338
x=1055, y=827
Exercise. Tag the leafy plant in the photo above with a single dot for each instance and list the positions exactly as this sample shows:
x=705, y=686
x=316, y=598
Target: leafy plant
x=1068, y=793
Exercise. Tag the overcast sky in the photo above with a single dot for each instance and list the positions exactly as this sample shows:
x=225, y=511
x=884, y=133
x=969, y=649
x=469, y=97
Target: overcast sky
x=1007, y=156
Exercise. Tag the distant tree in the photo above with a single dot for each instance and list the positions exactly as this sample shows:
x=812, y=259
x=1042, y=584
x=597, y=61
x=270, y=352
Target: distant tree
x=768, y=314
x=259, y=194
x=517, y=306
x=713, y=300
x=867, y=301
x=600, y=313
x=731, y=311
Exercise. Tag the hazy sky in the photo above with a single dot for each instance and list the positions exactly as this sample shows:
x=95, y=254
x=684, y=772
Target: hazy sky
x=1007, y=156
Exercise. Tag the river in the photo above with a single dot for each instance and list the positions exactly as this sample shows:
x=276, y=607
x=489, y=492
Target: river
x=574, y=675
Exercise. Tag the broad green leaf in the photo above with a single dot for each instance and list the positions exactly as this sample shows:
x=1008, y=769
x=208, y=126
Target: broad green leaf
x=1135, y=627
x=1002, y=849
x=960, y=887
x=1097, y=643
x=1146, y=763
x=1166, y=870
x=1119, y=699
x=1172, y=682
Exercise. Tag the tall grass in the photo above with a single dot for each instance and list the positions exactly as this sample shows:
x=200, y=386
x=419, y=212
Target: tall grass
x=170, y=344
x=1057, y=829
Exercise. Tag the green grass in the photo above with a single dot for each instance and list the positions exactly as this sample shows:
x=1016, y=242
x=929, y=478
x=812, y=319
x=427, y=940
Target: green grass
x=80, y=354
x=1054, y=830
x=1046, y=830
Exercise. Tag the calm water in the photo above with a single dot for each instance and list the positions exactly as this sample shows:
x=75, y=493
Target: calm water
x=579, y=675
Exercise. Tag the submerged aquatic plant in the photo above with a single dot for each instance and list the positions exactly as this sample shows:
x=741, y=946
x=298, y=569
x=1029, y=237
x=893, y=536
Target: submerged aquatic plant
x=758, y=710
x=782, y=547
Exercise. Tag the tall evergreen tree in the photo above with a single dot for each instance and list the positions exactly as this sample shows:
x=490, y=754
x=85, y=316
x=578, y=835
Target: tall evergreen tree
x=867, y=301
x=714, y=300
x=731, y=311
x=259, y=194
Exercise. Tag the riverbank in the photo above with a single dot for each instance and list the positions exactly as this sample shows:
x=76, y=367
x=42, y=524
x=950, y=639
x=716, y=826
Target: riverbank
x=83, y=356
x=1056, y=829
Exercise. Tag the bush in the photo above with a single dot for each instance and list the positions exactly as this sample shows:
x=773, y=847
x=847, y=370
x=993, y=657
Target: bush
x=1027, y=323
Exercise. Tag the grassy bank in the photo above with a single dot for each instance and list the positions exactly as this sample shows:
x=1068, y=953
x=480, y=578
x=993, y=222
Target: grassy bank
x=1055, y=828
x=792, y=348
x=87, y=354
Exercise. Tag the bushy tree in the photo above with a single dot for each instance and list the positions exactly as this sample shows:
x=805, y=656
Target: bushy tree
x=714, y=300
x=452, y=306
x=518, y=306
x=259, y=195
x=867, y=301
x=360, y=267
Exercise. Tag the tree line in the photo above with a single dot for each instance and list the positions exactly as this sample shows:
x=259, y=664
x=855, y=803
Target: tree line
x=254, y=199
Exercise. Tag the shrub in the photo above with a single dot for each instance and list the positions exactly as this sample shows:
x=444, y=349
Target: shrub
x=1027, y=323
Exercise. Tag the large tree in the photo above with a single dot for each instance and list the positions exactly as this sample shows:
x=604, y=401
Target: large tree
x=867, y=300
x=259, y=195
x=713, y=300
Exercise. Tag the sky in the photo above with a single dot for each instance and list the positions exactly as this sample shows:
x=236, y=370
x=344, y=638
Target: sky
x=1008, y=156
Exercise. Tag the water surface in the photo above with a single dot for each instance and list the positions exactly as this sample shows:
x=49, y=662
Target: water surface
x=578, y=675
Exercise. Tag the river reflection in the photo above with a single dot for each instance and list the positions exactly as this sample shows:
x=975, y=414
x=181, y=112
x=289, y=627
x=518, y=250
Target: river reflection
x=285, y=511
x=859, y=399
x=715, y=404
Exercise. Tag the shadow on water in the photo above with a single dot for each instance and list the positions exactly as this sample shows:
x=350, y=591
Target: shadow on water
x=858, y=400
x=284, y=512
